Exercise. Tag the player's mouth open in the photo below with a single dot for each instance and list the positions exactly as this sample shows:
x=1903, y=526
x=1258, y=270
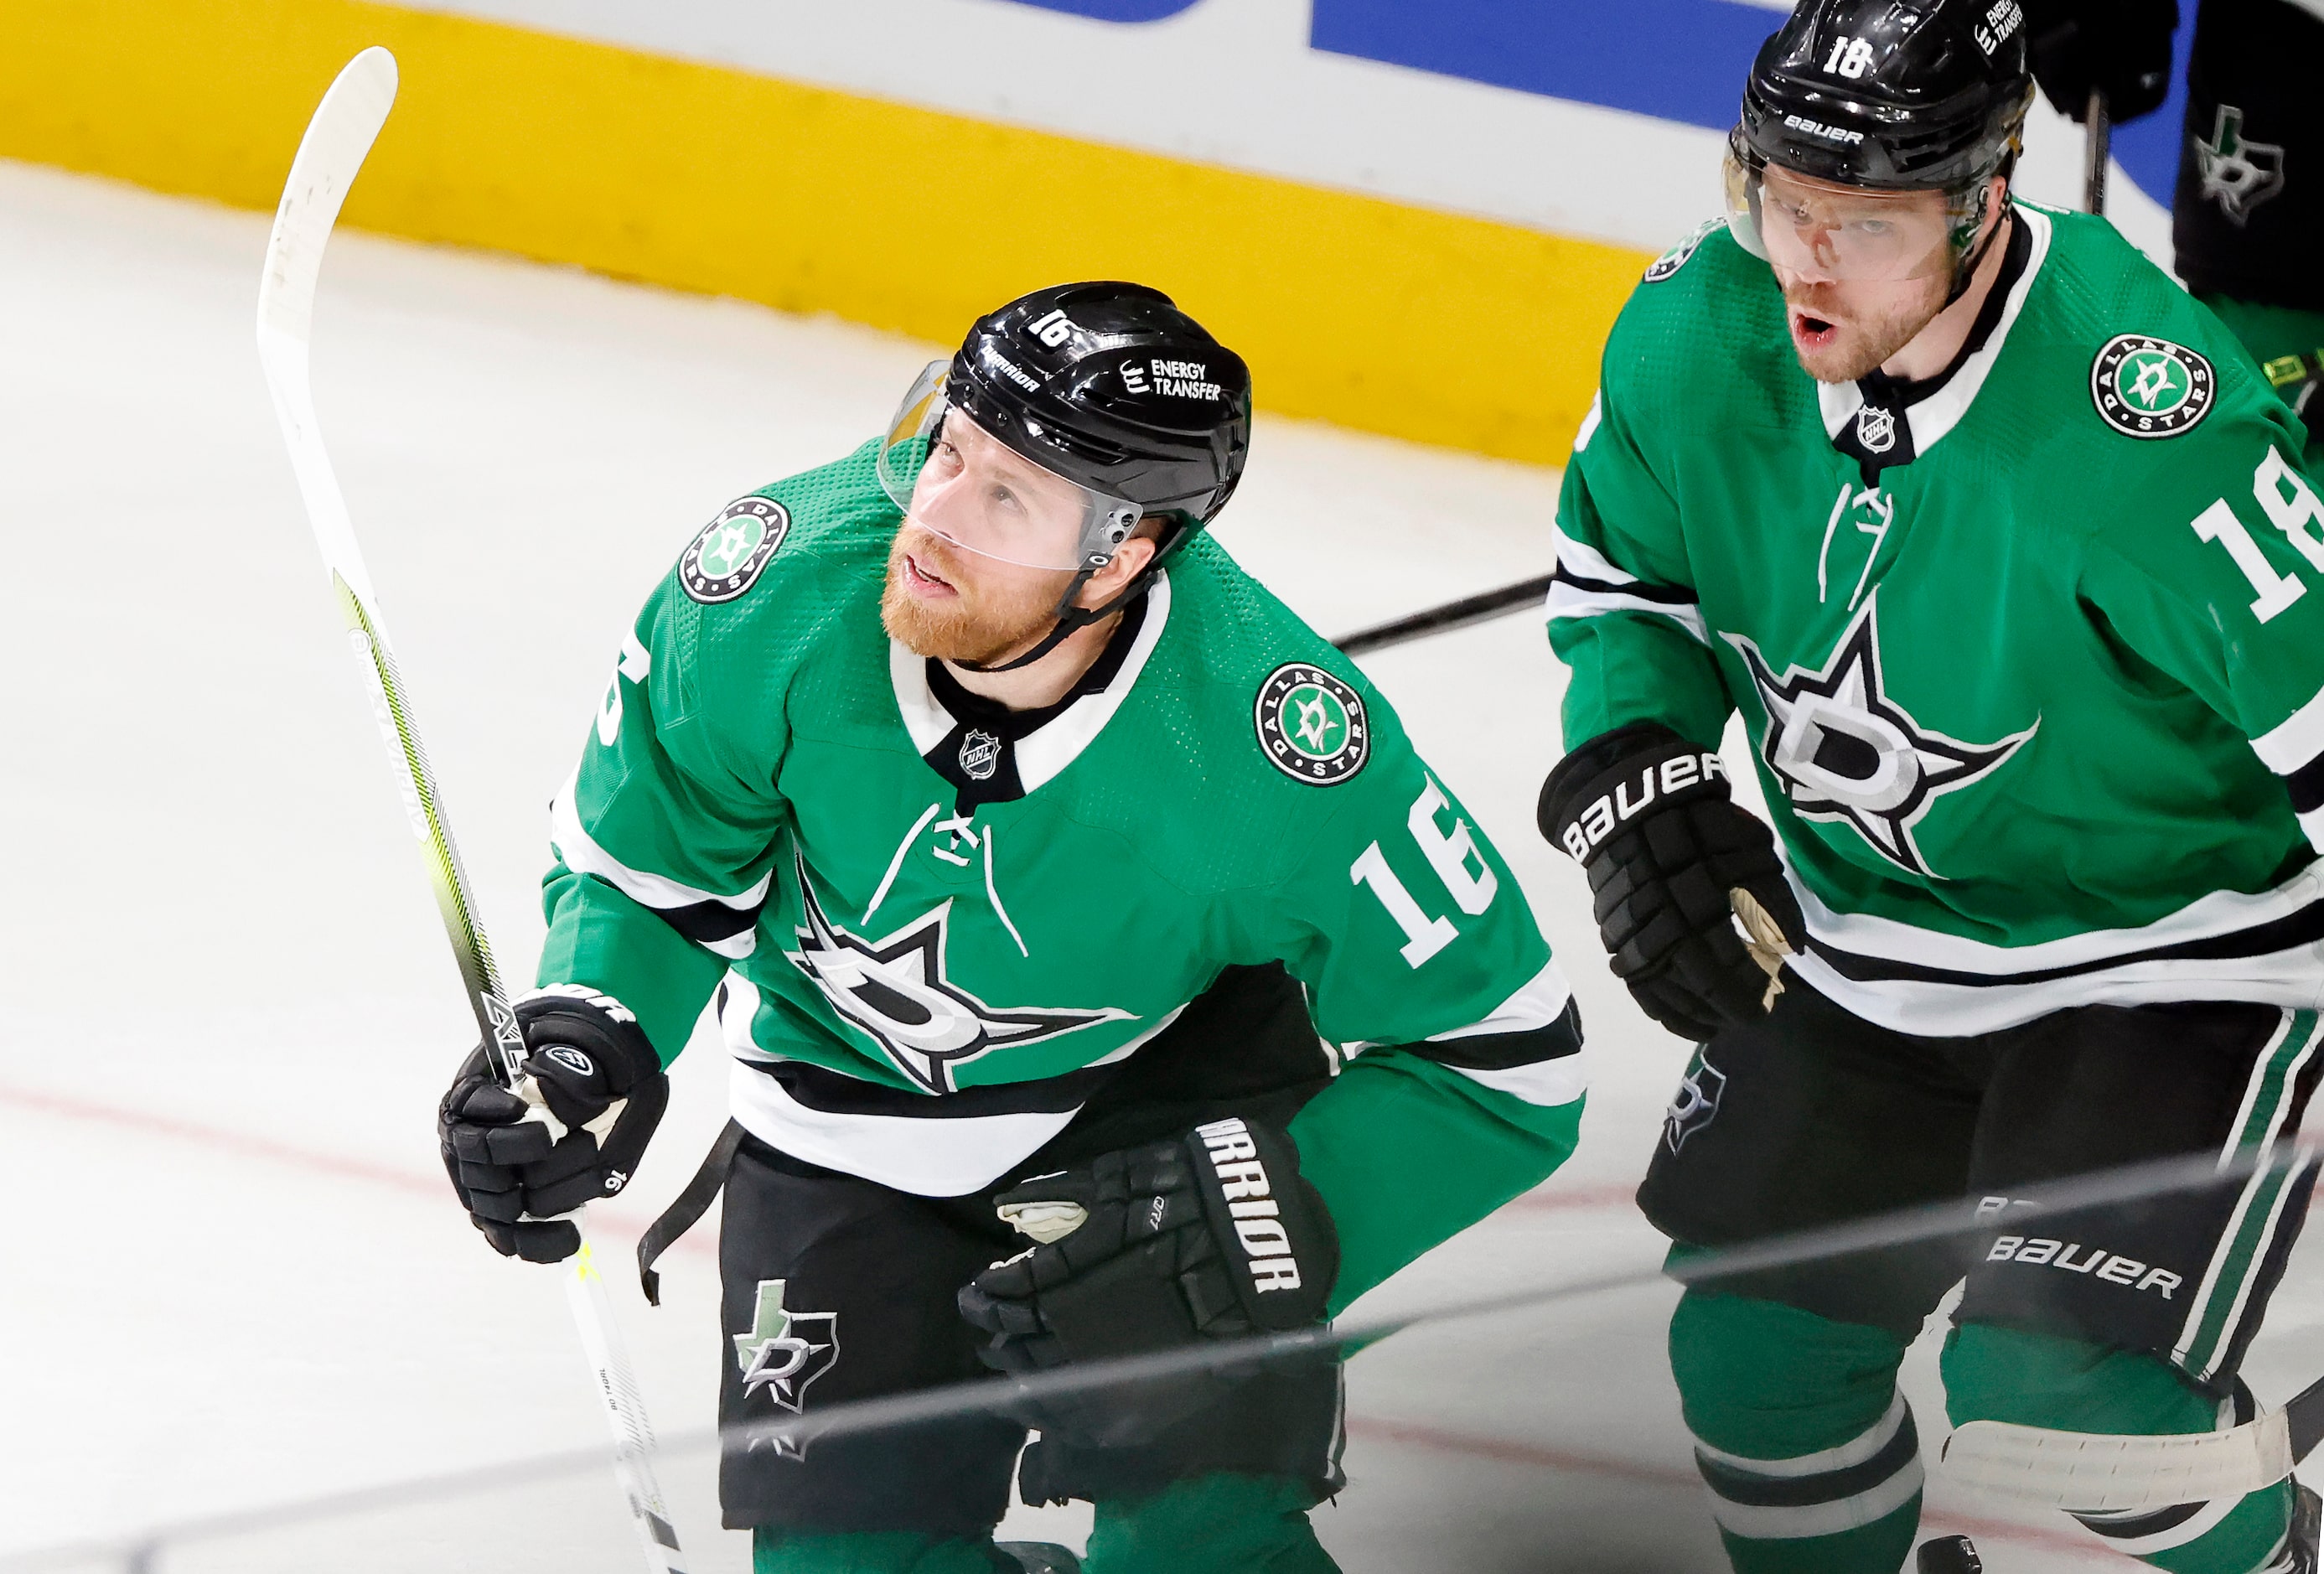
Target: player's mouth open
x=1812, y=332
x=923, y=583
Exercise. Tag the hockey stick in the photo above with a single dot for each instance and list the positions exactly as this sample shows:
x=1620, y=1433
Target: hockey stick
x=2098, y=139
x=329, y=156
x=2090, y=1473
x=1479, y=608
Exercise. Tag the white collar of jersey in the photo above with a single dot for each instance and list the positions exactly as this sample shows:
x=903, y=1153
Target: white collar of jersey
x=1939, y=413
x=1057, y=742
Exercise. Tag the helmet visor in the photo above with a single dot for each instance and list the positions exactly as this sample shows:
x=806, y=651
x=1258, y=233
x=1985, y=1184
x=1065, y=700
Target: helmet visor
x=1812, y=230
x=957, y=480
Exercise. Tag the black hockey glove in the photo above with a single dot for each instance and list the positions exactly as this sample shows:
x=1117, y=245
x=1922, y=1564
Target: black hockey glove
x=592, y=1092
x=2121, y=46
x=1674, y=863
x=1215, y=1235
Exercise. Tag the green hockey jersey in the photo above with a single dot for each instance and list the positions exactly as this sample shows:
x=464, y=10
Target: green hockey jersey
x=2027, y=664
x=935, y=928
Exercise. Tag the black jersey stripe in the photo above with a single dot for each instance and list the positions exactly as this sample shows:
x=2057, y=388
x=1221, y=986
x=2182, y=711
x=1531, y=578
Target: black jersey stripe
x=2302, y=928
x=709, y=922
x=1501, y=1052
x=1669, y=595
x=830, y=1093
x=2306, y=785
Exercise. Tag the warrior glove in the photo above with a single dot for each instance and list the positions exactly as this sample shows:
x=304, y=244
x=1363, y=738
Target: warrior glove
x=1674, y=863
x=1214, y=1236
x=591, y=1094
x=2121, y=48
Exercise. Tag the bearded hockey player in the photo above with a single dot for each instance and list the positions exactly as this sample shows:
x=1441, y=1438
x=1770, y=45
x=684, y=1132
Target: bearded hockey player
x=1005, y=618
x=1999, y=543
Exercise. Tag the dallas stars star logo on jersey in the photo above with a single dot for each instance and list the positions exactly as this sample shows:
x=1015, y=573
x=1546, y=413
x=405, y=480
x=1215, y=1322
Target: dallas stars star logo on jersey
x=2146, y=387
x=784, y=1352
x=898, y=991
x=1311, y=725
x=2238, y=174
x=1845, y=750
x=724, y=560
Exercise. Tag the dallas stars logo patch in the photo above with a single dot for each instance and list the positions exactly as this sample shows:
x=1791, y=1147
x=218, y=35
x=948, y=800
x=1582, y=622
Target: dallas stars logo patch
x=2146, y=387
x=1311, y=725
x=1845, y=750
x=784, y=1352
x=724, y=560
x=1672, y=261
x=898, y=991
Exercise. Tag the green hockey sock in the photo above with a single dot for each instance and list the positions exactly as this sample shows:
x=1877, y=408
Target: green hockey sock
x=776, y=1551
x=1808, y=1448
x=1210, y=1524
x=2034, y=1379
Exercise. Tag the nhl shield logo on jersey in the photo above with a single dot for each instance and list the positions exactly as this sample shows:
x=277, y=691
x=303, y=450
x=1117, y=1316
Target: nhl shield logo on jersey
x=1846, y=751
x=980, y=756
x=1876, y=429
x=2146, y=387
x=782, y=1353
x=1311, y=725
x=724, y=560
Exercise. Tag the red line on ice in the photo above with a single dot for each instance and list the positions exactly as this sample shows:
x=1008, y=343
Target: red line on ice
x=245, y=1145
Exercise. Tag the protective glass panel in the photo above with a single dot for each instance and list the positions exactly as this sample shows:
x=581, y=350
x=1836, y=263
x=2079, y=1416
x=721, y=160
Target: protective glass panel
x=1510, y=1406
x=959, y=483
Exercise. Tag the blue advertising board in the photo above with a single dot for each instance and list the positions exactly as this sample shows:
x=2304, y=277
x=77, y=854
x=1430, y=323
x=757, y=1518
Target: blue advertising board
x=1675, y=59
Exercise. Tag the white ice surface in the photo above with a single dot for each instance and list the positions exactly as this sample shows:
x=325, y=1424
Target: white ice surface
x=235, y=1277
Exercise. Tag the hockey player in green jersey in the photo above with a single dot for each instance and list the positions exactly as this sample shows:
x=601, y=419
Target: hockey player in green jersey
x=1025, y=846
x=1999, y=543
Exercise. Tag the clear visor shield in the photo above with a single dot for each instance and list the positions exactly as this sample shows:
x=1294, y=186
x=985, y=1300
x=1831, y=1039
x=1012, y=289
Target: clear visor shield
x=956, y=480
x=1812, y=230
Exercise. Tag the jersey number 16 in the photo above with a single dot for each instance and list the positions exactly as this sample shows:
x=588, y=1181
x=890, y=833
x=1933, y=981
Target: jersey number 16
x=1450, y=854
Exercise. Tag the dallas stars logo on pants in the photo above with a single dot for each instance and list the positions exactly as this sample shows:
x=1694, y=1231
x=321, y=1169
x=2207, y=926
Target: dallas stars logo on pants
x=783, y=1352
x=1845, y=750
x=897, y=990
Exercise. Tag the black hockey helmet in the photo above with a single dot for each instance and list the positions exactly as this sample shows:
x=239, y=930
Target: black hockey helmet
x=1890, y=94
x=1886, y=98
x=1110, y=386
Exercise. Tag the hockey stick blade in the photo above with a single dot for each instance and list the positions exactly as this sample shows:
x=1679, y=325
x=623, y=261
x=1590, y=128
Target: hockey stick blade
x=2092, y=1472
x=1482, y=607
x=330, y=155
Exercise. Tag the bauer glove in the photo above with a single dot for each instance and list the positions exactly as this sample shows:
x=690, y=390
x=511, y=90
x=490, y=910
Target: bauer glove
x=1212, y=1236
x=591, y=1094
x=2121, y=47
x=1674, y=865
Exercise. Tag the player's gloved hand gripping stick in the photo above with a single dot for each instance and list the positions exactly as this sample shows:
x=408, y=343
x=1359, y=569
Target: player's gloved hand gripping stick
x=329, y=156
x=1675, y=864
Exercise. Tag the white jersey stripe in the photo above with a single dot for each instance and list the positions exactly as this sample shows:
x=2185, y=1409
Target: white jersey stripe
x=2294, y=742
x=1584, y=561
x=2208, y=917
x=1545, y=1084
x=583, y=855
x=1566, y=600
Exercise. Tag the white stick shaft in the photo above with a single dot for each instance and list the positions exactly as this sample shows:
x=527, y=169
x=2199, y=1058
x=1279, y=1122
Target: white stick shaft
x=329, y=157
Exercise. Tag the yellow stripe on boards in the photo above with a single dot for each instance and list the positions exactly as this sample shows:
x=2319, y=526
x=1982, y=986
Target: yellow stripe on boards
x=1391, y=318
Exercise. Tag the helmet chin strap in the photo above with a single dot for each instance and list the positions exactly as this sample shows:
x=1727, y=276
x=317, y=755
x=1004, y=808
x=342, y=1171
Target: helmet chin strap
x=1965, y=271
